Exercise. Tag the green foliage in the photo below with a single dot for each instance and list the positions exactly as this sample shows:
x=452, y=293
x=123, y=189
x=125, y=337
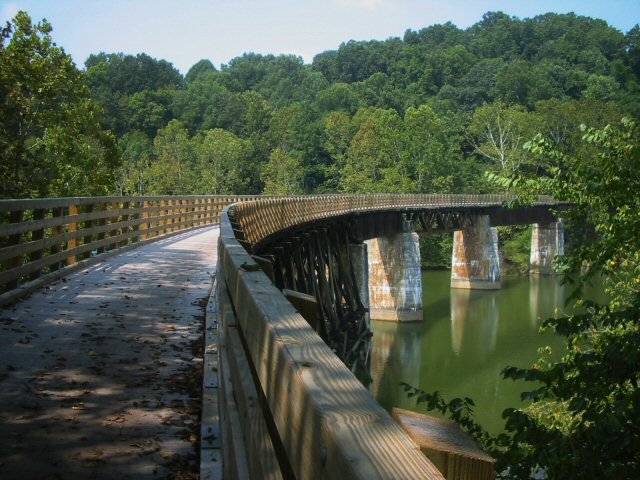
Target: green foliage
x=135, y=90
x=498, y=133
x=136, y=154
x=582, y=420
x=51, y=143
x=171, y=171
x=282, y=174
x=199, y=69
x=435, y=251
x=223, y=163
x=425, y=113
x=515, y=244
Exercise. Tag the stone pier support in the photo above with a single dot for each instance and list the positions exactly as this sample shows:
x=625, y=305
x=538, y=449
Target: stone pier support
x=475, y=262
x=547, y=242
x=395, y=279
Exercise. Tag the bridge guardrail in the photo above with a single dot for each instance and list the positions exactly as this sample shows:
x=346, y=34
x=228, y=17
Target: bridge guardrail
x=263, y=217
x=45, y=239
x=325, y=423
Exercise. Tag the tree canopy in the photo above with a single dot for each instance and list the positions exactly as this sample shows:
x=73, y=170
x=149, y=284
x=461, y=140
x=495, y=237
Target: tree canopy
x=51, y=142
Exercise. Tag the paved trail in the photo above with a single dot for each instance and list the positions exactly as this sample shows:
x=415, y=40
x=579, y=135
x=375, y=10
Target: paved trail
x=100, y=372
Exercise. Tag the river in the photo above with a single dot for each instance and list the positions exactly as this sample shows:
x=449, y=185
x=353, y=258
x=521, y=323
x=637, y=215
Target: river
x=464, y=341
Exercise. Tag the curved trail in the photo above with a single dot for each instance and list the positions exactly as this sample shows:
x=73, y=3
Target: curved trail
x=100, y=372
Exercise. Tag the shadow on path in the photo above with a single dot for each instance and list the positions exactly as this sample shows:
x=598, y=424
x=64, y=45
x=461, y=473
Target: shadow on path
x=100, y=372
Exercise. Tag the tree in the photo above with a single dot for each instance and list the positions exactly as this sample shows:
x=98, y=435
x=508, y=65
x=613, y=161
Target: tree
x=200, y=68
x=51, y=142
x=171, y=171
x=282, y=174
x=583, y=418
x=430, y=150
x=589, y=401
x=123, y=84
x=498, y=132
x=133, y=174
x=375, y=162
x=224, y=164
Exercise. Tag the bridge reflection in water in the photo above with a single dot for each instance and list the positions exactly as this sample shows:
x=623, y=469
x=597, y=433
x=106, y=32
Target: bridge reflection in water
x=465, y=339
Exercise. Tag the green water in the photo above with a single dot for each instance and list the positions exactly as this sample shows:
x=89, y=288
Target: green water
x=465, y=339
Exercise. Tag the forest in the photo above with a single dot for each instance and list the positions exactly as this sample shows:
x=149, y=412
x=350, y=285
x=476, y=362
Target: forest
x=432, y=112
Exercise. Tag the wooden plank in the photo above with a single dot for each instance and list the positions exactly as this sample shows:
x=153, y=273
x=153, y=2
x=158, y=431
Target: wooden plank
x=8, y=205
x=329, y=424
x=36, y=236
x=263, y=462
x=144, y=225
x=24, y=289
x=235, y=464
x=61, y=237
x=450, y=449
x=19, y=227
x=16, y=259
x=113, y=220
x=137, y=220
x=101, y=229
x=124, y=218
x=54, y=243
x=265, y=264
x=72, y=242
x=87, y=234
x=307, y=305
x=65, y=255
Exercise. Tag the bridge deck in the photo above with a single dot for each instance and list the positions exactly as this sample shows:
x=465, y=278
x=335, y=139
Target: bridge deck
x=97, y=371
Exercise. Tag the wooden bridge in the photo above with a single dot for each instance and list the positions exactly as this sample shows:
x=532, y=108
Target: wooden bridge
x=279, y=399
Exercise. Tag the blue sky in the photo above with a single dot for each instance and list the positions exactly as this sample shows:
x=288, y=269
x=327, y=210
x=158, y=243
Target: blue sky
x=186, y=31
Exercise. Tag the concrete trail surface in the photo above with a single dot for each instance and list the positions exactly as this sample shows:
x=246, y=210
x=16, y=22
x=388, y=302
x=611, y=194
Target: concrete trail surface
x=100, y=372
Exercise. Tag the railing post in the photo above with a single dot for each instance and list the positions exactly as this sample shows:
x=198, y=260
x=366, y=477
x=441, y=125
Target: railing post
x=72, y=228
x=164, y=221
x=136, y=216
x=114, y=219
x=101, y=207
x=145, y=216
x=14, y=217
x=124, y=217
x=38, y=214
x=56, y=231
x=87, y=224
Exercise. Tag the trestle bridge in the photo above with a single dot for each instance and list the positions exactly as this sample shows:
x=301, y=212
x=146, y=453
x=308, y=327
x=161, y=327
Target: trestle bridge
x=297, y=279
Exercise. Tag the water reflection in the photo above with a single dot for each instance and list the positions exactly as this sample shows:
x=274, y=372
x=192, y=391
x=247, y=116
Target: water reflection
x=477, y=311
x=395, y=347
x=465, y=340
x=546, y=298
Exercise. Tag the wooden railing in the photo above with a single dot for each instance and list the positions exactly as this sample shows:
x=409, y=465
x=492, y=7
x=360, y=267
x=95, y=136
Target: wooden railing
x=260, y=218
x=289, y=407
x=303, y=414
x=44, y=239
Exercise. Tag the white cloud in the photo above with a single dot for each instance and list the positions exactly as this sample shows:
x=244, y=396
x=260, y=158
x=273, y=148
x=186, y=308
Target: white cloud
x=9, y=11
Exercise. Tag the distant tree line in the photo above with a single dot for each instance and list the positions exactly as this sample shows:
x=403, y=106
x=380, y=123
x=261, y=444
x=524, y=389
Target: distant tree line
x=429, y=112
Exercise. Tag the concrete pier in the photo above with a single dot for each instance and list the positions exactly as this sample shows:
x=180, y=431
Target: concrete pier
x=547, y=242
x=475, y=262
x=395, y=279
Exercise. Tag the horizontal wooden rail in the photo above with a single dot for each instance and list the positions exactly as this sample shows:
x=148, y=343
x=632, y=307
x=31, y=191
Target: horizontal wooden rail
x=44, y=239
x=260, y=218
x=325, y=424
